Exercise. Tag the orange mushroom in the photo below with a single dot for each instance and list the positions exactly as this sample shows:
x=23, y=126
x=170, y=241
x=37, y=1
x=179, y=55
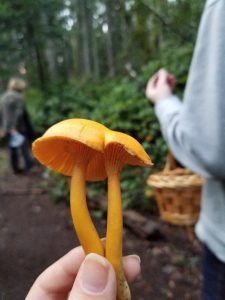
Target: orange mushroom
x=87, y=150
x=74, y=148
x=120, y=149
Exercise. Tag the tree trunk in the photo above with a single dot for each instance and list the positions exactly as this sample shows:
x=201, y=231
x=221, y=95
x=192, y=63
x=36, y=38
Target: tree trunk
x=51, y=60
x=109, y=39
x=84, y=56
x=95, y=55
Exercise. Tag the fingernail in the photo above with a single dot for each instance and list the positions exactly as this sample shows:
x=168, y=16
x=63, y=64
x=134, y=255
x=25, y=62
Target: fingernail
x=134, y=256
x=95, y=270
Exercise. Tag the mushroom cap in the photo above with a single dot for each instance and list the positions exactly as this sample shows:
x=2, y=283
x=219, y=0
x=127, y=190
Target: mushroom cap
x=131, y=151
x=62, y=144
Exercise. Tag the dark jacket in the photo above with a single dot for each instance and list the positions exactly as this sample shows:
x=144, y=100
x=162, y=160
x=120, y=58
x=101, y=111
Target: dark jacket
x=14, y=114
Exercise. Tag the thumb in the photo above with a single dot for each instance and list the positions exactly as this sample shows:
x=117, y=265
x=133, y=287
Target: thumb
x=96, y=280
x=162, y=76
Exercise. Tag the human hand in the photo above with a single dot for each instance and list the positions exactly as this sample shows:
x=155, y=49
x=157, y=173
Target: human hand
x=76, y=277
x=160, y=86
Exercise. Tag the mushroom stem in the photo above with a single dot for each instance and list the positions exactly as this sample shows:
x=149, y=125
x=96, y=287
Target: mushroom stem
x=114, y=235
x=83, y=224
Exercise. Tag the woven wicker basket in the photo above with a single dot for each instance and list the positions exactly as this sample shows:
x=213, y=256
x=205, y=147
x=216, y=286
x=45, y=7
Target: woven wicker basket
x=178, y=193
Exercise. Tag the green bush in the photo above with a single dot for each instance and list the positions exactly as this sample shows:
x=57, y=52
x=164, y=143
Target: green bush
x=35, y=103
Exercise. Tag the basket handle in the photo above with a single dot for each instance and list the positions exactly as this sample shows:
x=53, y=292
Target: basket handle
x=170, y=162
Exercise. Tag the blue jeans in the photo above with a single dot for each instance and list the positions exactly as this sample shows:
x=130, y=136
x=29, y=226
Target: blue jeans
x=23, y=150
x=214, y=276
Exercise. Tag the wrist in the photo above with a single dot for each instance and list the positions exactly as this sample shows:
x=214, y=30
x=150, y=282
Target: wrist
x=161, y=98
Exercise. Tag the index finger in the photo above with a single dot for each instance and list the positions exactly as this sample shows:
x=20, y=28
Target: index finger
x=153, y=80
x=151, y=85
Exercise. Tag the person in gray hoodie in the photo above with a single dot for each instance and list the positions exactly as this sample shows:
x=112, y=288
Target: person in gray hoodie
x=195, y=132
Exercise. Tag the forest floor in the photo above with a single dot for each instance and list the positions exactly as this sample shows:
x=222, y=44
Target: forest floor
x=34, y=232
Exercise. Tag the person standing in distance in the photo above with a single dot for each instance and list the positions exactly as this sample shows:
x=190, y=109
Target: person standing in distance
x=16, y=125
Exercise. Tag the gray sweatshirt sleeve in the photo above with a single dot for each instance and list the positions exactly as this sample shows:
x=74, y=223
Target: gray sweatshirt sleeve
x=195, y=128
x=190, y=145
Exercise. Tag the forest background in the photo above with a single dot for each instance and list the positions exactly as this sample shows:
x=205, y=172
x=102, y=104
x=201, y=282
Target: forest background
x=92, y=59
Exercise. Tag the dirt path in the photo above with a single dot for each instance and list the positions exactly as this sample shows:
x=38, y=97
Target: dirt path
x=34, y=232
